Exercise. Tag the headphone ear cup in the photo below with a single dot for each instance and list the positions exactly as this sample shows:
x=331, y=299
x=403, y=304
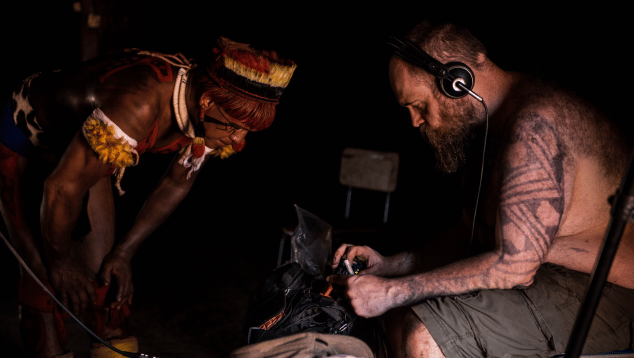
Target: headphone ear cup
x=460, y=72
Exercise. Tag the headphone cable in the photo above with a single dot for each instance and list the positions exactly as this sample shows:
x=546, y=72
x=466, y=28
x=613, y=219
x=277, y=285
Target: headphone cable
x=486, y=132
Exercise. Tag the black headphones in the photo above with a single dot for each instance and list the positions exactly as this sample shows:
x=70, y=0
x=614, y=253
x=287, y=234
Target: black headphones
x=455, y=79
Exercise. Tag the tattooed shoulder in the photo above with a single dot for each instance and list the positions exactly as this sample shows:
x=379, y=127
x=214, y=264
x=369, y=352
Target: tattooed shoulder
x=532, y=196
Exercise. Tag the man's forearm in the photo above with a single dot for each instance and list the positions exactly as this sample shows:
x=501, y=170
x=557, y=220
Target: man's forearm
x=157, y=208
x=404, y=263
x=59, y=213
x=468, y=275
x=448, y=248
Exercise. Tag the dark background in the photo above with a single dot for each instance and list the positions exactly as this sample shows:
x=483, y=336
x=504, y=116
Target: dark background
x=193, y=276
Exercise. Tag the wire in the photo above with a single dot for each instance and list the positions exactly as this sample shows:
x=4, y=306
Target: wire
x=484, y=146
x=37, y=280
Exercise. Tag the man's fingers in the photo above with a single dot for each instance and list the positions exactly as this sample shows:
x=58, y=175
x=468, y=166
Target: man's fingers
x=90, y=292
x=124, y=293
x=83, y=301
x=105, y=275
x=341, y=251
x=64, y=299
x=74, y=302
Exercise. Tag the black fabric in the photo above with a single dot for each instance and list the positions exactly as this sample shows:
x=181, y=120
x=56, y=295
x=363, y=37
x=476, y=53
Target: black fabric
x=294, y=294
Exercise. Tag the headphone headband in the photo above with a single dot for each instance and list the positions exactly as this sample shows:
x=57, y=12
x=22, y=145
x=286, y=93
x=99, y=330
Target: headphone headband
x=454, y=79
x=407, y=51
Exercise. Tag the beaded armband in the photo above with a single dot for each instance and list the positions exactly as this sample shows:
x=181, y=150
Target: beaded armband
x=111, y=144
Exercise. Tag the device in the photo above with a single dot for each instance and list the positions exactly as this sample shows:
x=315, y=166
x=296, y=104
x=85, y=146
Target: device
x=347, y=268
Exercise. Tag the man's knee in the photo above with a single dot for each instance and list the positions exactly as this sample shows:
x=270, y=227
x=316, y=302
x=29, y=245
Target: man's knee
x=408, y=335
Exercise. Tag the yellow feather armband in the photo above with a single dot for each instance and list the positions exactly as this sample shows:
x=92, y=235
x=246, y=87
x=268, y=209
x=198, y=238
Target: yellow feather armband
x=111, y=144
x=101, y=138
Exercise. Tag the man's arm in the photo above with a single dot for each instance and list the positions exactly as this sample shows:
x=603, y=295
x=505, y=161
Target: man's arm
x=169, y=193
x=531, y=204
x=452, y=243
x=64, y=191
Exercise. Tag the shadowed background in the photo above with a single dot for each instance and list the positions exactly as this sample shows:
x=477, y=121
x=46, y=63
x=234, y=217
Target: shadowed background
x=193, y=276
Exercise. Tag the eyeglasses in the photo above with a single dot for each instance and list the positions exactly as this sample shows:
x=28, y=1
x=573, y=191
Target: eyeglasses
x=226, y=126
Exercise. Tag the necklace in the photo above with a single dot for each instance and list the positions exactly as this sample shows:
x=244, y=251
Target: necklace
x=180, y=110
x=180, y=104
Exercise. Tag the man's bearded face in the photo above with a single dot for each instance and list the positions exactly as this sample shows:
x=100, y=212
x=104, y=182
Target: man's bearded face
x=451, y=139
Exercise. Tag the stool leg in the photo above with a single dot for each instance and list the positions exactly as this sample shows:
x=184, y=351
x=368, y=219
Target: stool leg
x=387, y=208
x=348, y=200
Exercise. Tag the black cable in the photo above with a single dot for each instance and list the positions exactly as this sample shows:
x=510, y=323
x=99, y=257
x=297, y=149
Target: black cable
x=37, y=280
x=484, y=146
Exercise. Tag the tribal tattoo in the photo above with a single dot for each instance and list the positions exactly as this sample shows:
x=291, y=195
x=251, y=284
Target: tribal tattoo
x=532, y=199
x=531, y=204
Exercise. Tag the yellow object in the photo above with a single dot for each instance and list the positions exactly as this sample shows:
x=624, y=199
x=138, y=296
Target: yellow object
x=129, y=344
x=224, y=152
x=199, y=140
x=111, y=144
x=277, y=76
x=101, y=138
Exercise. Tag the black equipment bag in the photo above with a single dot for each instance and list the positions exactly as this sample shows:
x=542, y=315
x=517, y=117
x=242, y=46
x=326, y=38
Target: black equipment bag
x=290, y=301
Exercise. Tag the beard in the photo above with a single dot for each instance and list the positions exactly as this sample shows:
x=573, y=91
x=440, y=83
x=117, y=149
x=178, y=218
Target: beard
x=452, y=139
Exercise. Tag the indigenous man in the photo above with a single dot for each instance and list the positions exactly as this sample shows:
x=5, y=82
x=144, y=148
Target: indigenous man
x=551, y=165
x=64, y=133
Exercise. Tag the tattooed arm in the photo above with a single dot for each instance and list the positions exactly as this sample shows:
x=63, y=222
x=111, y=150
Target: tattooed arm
x=530, y=208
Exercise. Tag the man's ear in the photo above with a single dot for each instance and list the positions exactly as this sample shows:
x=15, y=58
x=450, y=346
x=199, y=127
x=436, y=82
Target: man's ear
x=205, y=101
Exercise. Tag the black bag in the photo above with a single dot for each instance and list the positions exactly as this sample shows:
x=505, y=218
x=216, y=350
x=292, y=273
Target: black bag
x=290, y=301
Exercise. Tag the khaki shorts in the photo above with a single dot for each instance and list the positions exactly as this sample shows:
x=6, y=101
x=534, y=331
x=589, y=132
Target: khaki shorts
x=306, y=344
x=531, y=321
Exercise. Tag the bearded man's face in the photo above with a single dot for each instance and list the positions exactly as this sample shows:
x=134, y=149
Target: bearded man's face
x=444, y=121
x=451, y=138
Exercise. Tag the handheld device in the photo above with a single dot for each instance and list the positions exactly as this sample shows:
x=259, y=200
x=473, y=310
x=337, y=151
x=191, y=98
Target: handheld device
x=347, y=268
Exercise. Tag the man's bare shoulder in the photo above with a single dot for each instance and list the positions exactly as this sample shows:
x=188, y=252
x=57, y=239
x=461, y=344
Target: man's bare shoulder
x=579, y=127
x=533, y=99
x=134, y=90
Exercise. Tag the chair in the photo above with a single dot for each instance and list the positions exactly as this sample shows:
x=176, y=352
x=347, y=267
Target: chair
x=369, y=170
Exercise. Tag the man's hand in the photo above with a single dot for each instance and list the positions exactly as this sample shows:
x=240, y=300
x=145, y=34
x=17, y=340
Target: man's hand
x=376, y=264
x=367, y=294
x=117, y=263
x=72, y=283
